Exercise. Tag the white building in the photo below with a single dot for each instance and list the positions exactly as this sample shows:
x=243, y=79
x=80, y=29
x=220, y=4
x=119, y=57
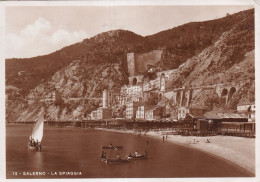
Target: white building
x=140, y=113
x=182, y=112
x=107, y=98
x=248, y=108
x=131, y=108
x=245, y=105
x=93, y=115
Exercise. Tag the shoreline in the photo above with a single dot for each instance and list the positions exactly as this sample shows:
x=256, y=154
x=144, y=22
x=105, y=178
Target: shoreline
x=238, y=151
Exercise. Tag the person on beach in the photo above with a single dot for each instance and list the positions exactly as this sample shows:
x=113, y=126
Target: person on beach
x=163, y=138
x=118, y=156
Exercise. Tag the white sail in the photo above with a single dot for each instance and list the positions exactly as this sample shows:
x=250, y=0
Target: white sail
x=37, y=132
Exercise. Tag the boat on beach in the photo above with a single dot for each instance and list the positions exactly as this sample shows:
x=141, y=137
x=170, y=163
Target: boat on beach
x=36, y=135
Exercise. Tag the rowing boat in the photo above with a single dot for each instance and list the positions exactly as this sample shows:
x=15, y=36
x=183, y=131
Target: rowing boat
x=112, y=147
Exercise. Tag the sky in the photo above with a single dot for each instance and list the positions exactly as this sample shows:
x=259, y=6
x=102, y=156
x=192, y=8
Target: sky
x=38, y=30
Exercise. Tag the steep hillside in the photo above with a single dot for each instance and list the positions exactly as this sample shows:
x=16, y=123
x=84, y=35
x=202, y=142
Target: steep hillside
x=230, y=59
x=232, y=56
x=79, y=95
x=216, y=51
x=108, y=47
x=178, y=44
x=188, y=40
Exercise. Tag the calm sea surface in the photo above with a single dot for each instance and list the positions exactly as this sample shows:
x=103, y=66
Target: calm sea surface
x=78, y=150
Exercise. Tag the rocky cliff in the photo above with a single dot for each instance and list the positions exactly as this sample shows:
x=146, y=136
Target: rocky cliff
x=228, y=60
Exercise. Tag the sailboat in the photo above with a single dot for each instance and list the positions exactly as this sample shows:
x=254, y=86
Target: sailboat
x=36, y=136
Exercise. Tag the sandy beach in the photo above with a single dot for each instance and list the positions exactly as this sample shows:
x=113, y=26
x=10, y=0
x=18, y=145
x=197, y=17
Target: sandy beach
x=237, y=150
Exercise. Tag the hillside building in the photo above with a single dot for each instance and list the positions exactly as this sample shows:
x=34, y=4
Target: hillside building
x=155, y=113
x=104, y=113
x=88, y=117
x=245, y=106
x=140, y=113
x=131, y=108
x=138, y=63
x=248, y=108
x=93, y=115
x=134, y=90
x=184, y=112
x=107, y=98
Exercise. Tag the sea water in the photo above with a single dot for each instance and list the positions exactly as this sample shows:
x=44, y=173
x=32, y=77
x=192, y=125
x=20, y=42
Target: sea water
x=75, y=153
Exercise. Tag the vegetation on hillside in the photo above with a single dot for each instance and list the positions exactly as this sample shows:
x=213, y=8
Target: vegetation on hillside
x=179, y=44
x=204, y=53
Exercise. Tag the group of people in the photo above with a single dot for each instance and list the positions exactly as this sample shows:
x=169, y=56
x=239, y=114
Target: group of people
x=136, y=154
x=36, y=144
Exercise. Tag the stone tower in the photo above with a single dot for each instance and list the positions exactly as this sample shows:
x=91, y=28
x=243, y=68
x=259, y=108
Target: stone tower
x=131, y=64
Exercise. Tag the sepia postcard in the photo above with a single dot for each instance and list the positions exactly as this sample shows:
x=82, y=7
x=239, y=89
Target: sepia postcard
x=127, y=90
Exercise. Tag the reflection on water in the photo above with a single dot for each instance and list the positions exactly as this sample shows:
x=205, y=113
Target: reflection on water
x=78, y=150
x=37, y=160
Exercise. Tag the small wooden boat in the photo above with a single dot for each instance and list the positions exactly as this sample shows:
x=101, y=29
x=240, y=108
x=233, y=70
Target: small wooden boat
x=120, y=160
x=134, y=157
x=104, y=159
x=31, y=147
x=112, y=147
x=36, y=136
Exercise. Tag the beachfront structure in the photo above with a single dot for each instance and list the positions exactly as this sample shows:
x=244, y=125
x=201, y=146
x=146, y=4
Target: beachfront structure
x=131, y=108
x=245, y=129
x=107, y=98
x=202, y=125
x=104, y=113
